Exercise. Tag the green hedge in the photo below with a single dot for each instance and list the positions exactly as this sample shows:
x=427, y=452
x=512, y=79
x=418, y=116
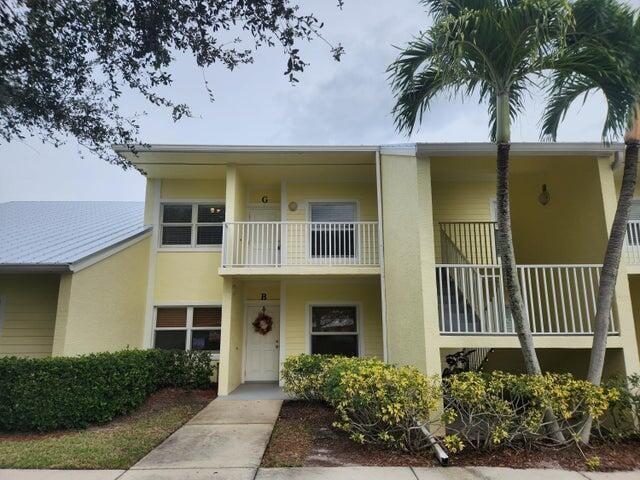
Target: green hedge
x=74, y=392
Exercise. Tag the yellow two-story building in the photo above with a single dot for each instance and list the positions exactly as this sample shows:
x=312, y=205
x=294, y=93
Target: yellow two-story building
x=259, y=252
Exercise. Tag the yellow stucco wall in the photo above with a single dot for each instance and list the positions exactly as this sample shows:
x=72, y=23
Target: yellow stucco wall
x=192, y=189
x=101, y=308
x=363, y=193
x=189, y=276
x=571, y=228
x=27, y=314
x=301, y=295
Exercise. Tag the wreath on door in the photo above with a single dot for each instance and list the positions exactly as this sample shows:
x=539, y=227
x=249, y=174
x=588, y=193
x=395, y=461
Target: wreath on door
x=263, y=322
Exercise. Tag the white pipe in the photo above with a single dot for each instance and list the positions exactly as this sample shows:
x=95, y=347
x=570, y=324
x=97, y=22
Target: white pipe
x=383, y=297
x=438, y=451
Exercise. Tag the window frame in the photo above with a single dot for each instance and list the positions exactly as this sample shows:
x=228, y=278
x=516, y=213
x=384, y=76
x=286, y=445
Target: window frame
x=194, y=224
x=359, y=333
x=189, y=328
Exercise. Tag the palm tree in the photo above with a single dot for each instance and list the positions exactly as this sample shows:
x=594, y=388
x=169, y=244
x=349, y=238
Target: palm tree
x=603, y=54
x=497, y=49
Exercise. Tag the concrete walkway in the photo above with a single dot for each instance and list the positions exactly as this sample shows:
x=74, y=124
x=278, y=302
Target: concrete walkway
x=227, y=438
x=320, y=473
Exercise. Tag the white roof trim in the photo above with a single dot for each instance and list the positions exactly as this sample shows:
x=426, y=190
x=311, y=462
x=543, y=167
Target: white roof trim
x=433, y=149
x=247, y=148
x=525, y=148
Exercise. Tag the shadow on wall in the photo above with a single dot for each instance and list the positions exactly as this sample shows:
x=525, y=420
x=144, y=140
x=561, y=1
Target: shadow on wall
x=575, y=361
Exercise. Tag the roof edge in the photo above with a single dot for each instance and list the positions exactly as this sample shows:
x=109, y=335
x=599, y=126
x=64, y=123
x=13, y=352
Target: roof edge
x=194, y=148
x=34, y=267
x=519, y=148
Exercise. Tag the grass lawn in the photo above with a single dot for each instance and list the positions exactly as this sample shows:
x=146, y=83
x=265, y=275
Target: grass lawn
x=118, y=444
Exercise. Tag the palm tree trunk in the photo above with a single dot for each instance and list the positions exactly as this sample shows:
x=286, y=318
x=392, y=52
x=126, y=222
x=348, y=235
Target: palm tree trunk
x=504, y=244
x=609, y=273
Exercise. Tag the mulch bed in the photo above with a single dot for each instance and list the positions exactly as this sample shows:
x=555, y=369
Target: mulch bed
x=157, y=401
x=303, y=436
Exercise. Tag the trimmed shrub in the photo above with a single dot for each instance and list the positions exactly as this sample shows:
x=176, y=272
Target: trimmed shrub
x=303, y=375
x=487, y=410
x=74, y=392
x=374, y=402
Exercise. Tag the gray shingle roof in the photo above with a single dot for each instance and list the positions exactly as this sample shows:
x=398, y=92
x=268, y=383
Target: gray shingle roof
x=61, y=233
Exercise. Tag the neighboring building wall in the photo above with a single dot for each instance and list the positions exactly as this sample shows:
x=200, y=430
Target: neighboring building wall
x=101, y=307
x=301, y=294
x=27, y=314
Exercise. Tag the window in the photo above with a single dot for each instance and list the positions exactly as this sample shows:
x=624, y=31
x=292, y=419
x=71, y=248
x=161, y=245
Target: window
x=188, y=328
x=333, y=230
x=184, y=224
x=334, y=330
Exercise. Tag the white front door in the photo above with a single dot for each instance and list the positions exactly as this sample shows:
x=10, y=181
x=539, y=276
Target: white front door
x=262, y=351
x=263, y=236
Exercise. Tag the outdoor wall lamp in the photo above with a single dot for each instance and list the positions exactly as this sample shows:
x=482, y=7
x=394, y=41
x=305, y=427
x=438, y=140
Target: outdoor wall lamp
x=544, y=196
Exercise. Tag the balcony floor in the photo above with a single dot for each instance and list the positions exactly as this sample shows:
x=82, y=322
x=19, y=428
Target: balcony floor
x=293, y=271
x=511, y=341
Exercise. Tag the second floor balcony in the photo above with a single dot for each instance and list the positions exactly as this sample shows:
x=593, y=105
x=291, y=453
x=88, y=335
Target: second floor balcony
x=560, y=299
x=341, y=246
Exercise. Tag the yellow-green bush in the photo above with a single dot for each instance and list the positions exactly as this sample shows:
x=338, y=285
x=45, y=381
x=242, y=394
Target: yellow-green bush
x=487, y=410
x=380, y=403
x=374, y=402
x=303, y=375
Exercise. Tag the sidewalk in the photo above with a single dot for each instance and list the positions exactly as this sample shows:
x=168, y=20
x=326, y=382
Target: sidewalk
x=318, y=473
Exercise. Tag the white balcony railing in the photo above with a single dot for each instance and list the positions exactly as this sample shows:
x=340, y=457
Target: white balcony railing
x=633, y=241
x=560, y=299
x=277, y=244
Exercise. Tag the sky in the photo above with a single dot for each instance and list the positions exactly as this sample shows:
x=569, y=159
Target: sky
x=346, y=102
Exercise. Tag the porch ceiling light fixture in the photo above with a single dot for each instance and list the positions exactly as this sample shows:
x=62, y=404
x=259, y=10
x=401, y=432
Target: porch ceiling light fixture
x=544, y=196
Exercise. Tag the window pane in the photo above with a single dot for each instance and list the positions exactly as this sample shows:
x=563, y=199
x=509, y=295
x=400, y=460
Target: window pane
x=207, y=317
x=210, y=213
x=210, y=235
x=205, y=340
x=176, y=235
x=335, y=345
x=171, y=339
x=171, y=317
x=333, y=319
x=176, y=213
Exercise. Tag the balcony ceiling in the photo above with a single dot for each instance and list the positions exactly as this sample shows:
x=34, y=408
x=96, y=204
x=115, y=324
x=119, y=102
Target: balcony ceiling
x=265, y=166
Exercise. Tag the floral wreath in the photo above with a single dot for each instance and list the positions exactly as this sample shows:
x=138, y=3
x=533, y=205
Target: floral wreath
x=263, y=323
